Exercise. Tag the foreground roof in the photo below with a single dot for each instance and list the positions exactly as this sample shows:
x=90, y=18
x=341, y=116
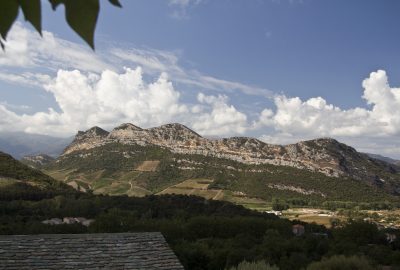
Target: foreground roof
x=87, y=251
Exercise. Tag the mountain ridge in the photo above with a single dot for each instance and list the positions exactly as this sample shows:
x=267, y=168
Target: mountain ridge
x=324, y=155
x=172, y=158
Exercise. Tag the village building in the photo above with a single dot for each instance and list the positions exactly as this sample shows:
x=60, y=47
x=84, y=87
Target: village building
x=68, y=220
x=276, y=213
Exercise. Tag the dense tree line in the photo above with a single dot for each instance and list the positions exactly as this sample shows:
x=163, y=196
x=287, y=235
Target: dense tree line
x=205, y=234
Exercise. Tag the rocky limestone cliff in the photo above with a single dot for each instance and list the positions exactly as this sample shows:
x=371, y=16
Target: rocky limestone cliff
x=324, y=155
x=334, y=158
x=172, y=133
x=91, y=138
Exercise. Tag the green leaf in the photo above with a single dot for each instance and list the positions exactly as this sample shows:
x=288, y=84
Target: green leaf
x=32, y=13
x=55, y=3
x=8, y=14
x=81, y=16
x=115, y=3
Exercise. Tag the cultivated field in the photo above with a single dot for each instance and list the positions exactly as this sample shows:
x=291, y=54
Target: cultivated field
x=198, y=187
x=148, y=166
x=123, y=184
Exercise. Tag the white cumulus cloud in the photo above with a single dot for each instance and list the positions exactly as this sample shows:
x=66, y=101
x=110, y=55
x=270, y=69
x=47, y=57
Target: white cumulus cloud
x=93, y=89
x=106, y=100
x=221, y=119
x=315, y=117
x=111, y=98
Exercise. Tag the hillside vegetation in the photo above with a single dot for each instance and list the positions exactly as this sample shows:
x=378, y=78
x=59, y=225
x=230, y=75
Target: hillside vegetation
x=19, y=180
x=135, y=170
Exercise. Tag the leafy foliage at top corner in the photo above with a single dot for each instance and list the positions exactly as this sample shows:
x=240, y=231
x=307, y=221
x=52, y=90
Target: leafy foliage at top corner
x=81, y=16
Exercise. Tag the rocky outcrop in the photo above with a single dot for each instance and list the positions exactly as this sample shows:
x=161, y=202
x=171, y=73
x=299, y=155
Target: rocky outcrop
x=172, y=133
x=91, y=138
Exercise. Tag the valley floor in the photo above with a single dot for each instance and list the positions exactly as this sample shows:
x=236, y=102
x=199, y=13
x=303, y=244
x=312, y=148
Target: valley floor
x=383, y=218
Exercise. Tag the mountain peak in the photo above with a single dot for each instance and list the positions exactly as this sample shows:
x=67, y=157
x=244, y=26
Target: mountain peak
x=86, y=139
x=322, y=140
x=177, y=126
x=330, y=144
x=93, y=131
x=127, y=126
x=174, y=131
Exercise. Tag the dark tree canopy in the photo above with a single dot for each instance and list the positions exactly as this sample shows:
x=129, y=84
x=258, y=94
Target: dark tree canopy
x=81, y=15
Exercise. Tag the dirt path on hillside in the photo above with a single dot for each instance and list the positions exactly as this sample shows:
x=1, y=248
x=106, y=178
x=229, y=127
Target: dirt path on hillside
x=216, y=195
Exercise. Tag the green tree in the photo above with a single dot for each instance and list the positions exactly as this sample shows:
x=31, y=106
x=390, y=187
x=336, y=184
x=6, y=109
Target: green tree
x=279, y=205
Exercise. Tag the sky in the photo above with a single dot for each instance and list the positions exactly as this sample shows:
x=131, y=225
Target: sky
x=278, y=70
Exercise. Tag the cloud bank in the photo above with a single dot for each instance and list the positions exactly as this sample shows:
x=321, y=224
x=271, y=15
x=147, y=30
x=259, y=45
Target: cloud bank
x=93, y=89
x=111, y=98
x=315, y=117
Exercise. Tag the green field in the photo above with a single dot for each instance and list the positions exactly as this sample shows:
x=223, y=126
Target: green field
x=4, y=182
x=197, y=187
x=118, y=184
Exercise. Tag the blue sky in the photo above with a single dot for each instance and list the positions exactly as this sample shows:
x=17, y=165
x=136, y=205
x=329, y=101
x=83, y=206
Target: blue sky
x=280, y=70
x=304, y=48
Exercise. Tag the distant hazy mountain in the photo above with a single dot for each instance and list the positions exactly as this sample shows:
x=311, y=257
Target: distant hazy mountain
x=383, y=158
x=20, y=144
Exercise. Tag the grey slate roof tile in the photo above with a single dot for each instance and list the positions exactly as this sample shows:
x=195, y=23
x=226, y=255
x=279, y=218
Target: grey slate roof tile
x=139, y=251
